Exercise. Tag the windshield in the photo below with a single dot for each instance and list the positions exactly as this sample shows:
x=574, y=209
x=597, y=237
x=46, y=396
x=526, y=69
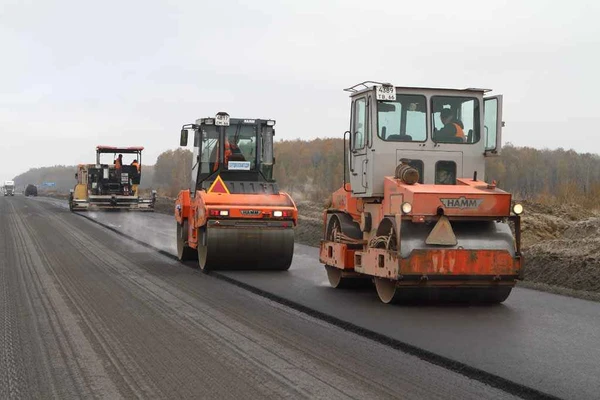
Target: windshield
x=242, y=144
x=455, y=119
x=240, y=148
x=111, y=158
x=403, y=120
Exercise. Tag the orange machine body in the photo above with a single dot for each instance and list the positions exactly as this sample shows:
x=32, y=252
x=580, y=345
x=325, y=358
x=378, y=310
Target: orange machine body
x=244, y=209
x=413, y=262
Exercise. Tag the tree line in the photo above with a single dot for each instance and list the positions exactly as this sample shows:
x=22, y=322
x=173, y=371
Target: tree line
x=313, y=169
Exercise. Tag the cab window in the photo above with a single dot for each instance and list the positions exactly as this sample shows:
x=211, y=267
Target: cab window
x=360, y=123
x=402, y=120
x=455, y=119
x=242, y=143
x=445, y=173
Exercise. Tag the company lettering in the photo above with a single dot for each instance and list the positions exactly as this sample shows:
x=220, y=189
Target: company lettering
x=461, y=202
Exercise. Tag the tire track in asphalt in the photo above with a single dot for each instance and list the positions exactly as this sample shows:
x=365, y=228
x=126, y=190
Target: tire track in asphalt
x=82, y=366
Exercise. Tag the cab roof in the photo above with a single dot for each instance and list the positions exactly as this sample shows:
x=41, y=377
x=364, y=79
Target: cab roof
x=368, y=85
x=111, y=149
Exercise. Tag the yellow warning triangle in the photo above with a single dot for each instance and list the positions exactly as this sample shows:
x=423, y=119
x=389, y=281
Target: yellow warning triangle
x=218, y=186
x=442, y=233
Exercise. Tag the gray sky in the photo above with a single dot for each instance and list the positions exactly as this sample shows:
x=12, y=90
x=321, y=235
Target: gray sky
x=76, y=74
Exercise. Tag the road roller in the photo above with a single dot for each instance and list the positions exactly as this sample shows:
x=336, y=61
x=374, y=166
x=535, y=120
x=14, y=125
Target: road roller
x=234, y=216
x=415, y=215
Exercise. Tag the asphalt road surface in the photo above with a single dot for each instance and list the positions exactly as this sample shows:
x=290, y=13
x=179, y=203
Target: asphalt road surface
x=87, y=313
x=547, y=342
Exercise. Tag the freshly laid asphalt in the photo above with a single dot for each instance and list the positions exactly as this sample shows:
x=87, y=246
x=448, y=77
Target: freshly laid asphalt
x=546, y=342
x=88, y=313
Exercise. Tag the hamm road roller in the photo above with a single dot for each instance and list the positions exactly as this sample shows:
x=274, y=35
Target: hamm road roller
x=234, y=216
x=415, y=214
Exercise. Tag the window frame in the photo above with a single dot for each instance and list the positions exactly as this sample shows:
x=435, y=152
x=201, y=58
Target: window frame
x=404, y=111
x=435, y=171
x=255, y=162
x=476, y=118
x=354, y=123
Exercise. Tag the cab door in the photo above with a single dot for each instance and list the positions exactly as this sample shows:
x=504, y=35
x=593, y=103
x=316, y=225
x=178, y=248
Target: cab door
x=359, y=137
x=492, y=124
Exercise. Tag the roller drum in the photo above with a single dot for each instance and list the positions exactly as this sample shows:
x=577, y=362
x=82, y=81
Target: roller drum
x=246, y=247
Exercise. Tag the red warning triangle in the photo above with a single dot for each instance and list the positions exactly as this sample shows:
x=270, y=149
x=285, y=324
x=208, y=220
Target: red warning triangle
x=442, y=233
x=218, y=186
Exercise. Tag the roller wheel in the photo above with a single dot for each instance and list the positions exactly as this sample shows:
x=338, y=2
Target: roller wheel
x=341, y=223
x=245, y=248
x=496, y=295
x=386, y=290
x=337, y=281
x=184, y=252
x=203, y=258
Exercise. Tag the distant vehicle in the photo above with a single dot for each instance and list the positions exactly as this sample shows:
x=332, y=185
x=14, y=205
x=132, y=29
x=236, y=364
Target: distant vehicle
x=31, y=190
x=9, y=188
x=107, y=186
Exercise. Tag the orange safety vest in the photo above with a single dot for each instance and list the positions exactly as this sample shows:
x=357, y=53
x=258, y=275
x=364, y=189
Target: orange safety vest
x=137, y=165
x=459, y=131
x=228, y=154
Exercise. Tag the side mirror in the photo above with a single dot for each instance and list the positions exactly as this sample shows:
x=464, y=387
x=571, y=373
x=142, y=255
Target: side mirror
x=273, y=160
x=183, y=140
x=76, y=175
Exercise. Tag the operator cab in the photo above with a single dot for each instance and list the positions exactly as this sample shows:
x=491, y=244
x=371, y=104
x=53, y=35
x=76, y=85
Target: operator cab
x=443, y=133
x=239, y=151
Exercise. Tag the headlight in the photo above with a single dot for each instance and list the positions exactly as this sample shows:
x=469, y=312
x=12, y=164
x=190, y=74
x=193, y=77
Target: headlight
x=223, y=213
x=406, y=208
x=518, y=209
x=270, y=123
x=278, y=214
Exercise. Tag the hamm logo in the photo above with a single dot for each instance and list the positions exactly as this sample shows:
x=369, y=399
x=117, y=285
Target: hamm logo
x=250, y=212
x=462, y=203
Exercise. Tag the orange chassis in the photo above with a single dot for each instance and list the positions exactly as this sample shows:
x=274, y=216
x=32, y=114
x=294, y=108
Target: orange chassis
x=244, y=209
x=439, y=266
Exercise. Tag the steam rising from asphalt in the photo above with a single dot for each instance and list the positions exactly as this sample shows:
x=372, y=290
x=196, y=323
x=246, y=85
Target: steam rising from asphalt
x=154, y=229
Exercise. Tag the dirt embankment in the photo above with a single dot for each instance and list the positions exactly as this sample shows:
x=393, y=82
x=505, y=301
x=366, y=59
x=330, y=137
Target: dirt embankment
x=563, y=249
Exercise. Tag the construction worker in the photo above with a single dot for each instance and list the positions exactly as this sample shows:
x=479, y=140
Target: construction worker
x=453, y=130
x=137, y=165
x=231, y=149
x=119, y=162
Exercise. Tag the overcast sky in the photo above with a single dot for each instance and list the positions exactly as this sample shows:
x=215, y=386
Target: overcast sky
x=76, y=74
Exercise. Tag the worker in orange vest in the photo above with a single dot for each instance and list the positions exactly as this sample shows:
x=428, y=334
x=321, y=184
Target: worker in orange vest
x=137, y=165
x=230, y=149
x=119, y=162
x=452, y=128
